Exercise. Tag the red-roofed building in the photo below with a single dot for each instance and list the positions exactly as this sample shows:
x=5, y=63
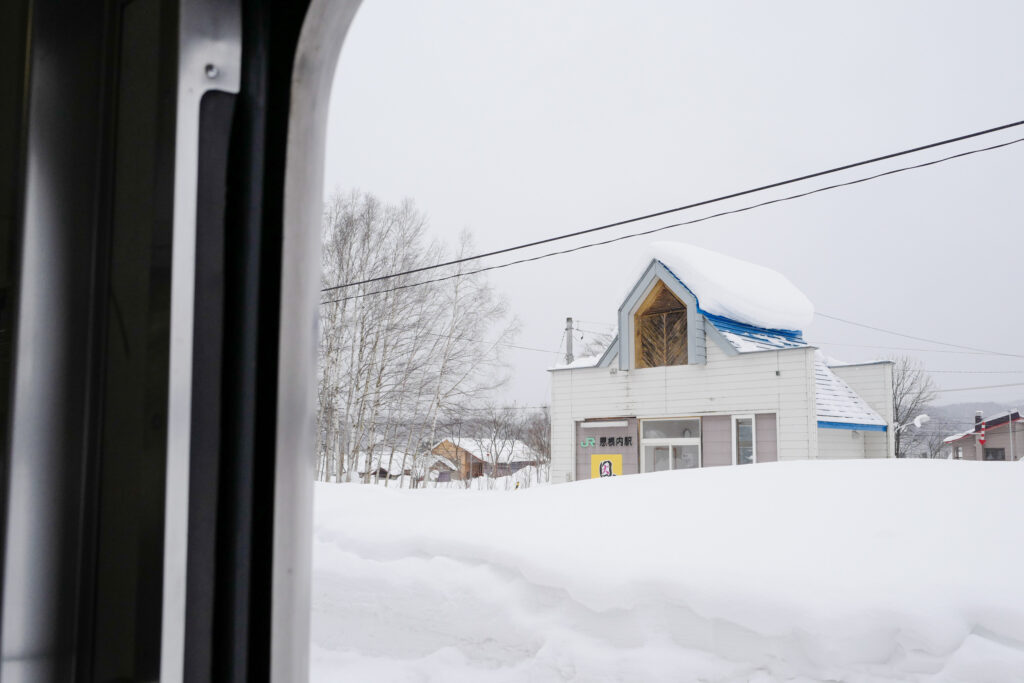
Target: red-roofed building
x=999, y=437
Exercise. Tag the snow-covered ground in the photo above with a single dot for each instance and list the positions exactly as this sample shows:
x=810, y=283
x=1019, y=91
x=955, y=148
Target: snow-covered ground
x=852, y=570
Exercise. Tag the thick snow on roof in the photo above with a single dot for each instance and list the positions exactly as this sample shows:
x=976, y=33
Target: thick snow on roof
x=507, y=452
x=519, y=452
x=735, y=289
x=584, y=362
x=1001, y=417
x=837, y=402
x=959, y=435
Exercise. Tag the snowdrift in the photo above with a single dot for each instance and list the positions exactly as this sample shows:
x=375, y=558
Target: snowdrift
x=850, y=570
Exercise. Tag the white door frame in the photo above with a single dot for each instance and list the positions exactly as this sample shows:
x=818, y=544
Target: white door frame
x=753, y=436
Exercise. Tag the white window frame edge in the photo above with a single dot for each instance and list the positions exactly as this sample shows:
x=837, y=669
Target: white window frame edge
x=753, y=435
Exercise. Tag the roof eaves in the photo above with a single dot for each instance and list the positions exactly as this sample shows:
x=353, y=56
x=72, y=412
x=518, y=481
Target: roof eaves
x=609, y=354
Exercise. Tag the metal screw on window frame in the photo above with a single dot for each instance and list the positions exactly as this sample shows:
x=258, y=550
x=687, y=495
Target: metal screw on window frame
x=212, y=71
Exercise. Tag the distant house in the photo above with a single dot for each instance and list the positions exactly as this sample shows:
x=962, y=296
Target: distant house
x=710, y=368
x=509, y=459
x=453, y=461
x=997, y=437
x=383, y=464
x=468, y=458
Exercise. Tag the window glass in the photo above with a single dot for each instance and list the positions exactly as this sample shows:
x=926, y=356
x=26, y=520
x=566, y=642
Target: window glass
x=671, y=457
x=660, y=458
x=995, y=454
x=672, y=429
x=685, y=457
x=744, y=441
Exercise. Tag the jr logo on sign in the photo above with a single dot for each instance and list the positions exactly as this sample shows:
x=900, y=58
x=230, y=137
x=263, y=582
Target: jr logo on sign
x=588, y=443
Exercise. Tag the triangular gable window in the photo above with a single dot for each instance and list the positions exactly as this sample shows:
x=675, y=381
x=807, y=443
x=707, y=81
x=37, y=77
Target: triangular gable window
x=659, y=326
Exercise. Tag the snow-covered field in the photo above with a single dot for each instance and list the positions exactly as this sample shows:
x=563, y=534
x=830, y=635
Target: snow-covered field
x=853, y=571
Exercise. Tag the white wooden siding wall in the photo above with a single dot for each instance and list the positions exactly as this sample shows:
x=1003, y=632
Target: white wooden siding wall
x=873, y=381
x=837, y=444
x=876, y=445
x=726, y=385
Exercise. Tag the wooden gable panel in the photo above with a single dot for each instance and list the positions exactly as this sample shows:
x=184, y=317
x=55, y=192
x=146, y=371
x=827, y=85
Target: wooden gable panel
x=662, y=339
x=660, y=331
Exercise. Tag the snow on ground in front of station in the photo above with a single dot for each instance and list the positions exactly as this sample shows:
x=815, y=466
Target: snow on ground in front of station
x=851, y=570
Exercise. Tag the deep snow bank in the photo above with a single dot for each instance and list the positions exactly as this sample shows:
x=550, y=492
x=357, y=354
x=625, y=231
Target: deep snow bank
x=853, y=570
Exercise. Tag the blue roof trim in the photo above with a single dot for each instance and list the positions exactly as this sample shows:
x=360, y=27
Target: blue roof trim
x=730, y=325
x=822, y=424
x=795, y=336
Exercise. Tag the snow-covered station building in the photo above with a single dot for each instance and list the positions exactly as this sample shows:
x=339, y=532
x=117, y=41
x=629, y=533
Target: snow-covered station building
x=710, y=368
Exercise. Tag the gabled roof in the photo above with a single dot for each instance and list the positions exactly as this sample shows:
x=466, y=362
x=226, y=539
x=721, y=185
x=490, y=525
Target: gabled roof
x=734, y=296
x=991, y=422
x=434, y=461
x=838, y=405
x=959, y=435
x=744, y=337
x=739, y=290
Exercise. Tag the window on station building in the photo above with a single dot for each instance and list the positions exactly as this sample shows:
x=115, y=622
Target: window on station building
x=744, y=443
x=670, y=444
x=659, y=328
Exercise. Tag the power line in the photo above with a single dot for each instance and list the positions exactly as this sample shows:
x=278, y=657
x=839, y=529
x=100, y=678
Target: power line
x=899, y=348
x=694, y=205
x=990, y=386
x=484, y=341
x=978, y=372
x=648, y=232
x=924, y=339
x=580, y=329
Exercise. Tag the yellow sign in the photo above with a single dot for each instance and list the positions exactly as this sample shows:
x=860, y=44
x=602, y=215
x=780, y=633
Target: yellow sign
x=605, y=465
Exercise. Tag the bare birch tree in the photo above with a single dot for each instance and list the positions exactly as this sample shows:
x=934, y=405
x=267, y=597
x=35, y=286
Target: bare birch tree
x=496, y=433
x=912, y=391
x=397, y=355
x=537, y=436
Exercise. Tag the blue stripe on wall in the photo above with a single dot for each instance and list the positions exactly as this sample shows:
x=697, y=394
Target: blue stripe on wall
x=850, y=425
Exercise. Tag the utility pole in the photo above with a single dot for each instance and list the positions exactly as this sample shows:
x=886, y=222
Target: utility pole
x=1009, y=421
x=568, y=341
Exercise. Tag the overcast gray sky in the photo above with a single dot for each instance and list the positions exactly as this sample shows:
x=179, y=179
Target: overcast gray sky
x=523, y=119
